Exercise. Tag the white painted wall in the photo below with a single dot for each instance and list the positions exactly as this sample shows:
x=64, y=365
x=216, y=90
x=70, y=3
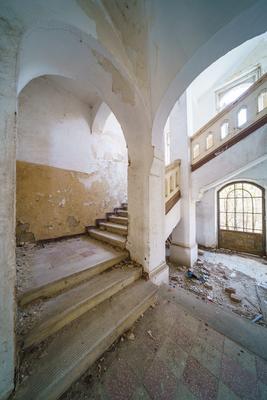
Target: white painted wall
x=201, y=100
x=227, y=164
x=206, y=210
x=172, y=219
x=54, y=130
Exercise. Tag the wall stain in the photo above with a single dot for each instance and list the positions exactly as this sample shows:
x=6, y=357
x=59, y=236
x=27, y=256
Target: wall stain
x=54, y=202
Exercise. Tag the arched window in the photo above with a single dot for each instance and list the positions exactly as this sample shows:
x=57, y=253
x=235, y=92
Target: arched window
x=209, y=141
x=241, y=207
x=224, y=130
x=242, y=116
x=262, y=100
x=196, y=151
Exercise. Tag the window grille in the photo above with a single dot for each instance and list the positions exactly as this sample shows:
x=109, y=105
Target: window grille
x=241, y=208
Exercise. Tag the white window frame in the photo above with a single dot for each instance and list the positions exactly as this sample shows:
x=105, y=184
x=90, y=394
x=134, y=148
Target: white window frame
x=253, y=74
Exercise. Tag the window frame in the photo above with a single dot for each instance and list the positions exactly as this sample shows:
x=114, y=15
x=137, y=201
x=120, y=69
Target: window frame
x=254, y=74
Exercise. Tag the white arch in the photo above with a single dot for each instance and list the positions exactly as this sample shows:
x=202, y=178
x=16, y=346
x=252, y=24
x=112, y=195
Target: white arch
x=99, y=119
x=236, y=32
x=60, y=49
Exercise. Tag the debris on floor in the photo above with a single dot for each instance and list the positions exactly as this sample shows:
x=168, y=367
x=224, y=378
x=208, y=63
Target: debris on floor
x=229, y=288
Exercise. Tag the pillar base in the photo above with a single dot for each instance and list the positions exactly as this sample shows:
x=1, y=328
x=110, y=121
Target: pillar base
x=160, y=274
x=183, y=255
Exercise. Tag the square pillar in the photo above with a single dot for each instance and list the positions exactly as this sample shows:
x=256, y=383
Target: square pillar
x=8, y=44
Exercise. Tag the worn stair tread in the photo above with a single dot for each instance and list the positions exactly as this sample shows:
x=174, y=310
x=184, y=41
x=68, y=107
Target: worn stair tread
x=70, y=353
x=122, y=212
x=118, y=219
x=118, y=227
x=61, y=310
x=48, y=279
x=108, y=237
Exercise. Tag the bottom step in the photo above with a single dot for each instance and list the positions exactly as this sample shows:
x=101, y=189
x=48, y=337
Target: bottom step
x=70, y=354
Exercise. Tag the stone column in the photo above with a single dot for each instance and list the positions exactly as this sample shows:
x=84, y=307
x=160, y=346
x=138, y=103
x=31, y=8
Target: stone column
x=8, y=46
x=184, y=247
x=146, y=214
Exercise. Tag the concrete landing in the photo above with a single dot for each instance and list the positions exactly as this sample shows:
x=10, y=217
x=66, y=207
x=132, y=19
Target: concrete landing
x=69, y=354
x=63, y=264
x=251, y=336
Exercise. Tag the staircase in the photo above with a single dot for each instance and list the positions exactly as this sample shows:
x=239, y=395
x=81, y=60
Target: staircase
x=79, y=308
x=112, y=230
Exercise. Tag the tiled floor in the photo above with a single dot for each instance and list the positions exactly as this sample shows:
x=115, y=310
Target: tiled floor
x=173, y=356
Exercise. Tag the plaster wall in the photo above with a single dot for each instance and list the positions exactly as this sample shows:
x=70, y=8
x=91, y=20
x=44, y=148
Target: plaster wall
x=206, y=209
x=183, y=248
x=66, y=176
x=9, y=39
x=227, y=164
x=172, y=219
x=201, y=98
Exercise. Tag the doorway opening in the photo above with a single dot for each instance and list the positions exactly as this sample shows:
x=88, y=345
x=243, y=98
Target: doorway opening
x=241, y=214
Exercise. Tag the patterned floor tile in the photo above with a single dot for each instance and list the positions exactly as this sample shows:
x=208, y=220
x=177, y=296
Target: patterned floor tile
x=160, y=382
x=246, y=359
x=200, y=381
x=241, y=381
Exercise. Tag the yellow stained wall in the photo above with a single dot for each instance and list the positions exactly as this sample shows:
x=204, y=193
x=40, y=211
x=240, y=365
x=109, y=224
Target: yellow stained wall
x=54, y=202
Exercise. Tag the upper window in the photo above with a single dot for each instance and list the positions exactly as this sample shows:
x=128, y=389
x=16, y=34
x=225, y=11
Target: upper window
x=262, y=100
x=224, y=130
x=209, y=141
x=229, y=92
x=196, y=151
x=242, y=116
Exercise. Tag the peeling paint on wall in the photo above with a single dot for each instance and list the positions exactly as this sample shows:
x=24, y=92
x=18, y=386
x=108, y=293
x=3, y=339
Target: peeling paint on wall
x=66, y=176
x=42, y=211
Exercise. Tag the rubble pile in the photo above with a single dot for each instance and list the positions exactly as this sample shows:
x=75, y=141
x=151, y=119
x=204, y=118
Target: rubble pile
x=218, y=284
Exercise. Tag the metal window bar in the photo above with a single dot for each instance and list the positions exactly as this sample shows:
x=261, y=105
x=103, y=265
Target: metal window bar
x=231, y=206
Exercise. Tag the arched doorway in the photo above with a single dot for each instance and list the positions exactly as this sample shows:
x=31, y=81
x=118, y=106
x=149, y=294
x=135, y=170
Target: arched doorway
x=241, y=212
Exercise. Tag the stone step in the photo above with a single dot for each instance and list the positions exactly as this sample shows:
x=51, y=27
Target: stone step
x=118, y=220
x=121, y=212
x=48, y=282
x=59, y=311
x=112, y=238
x=69, y=354
x=115, y=228
x=124, y=206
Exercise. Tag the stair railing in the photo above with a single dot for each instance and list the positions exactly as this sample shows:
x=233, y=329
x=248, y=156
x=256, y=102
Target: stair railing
x=172, y=184
x=232, y=124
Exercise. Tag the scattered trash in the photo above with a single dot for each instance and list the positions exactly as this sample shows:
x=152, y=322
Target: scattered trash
x=130, y=336
x=229, y=290
x=193, y=275
x=211, y=279
x=149, y=332
x=207, y=286
x=253, y=305
x=257, y=318
x=235, y=298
